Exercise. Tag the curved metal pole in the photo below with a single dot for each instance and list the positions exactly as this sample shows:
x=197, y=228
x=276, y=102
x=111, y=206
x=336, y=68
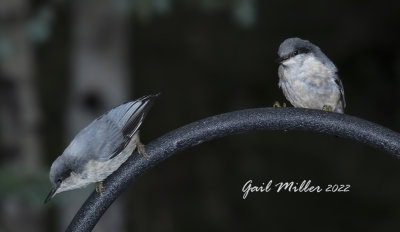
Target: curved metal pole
x=222, y=125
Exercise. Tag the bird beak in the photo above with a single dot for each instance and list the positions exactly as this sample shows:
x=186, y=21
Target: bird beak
x=51, y=194
x=280, y=60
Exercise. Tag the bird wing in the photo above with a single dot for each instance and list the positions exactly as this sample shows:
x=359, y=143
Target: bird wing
x=124, y=122
x=109, y=134
x=339, y=83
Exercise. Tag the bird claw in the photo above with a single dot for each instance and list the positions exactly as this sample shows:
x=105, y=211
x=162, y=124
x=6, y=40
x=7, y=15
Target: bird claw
x=99, y=188
x=278, y=105
x=327, y=108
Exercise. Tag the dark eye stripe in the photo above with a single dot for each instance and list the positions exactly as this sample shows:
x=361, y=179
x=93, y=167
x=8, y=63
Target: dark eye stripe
x=299, y=51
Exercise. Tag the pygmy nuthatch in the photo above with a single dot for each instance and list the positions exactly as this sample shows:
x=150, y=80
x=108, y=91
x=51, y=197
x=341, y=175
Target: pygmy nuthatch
x=100, y=148
x=308, y=78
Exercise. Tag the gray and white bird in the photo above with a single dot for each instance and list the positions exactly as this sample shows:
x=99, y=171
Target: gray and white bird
x=99, y=149
x=308, y=78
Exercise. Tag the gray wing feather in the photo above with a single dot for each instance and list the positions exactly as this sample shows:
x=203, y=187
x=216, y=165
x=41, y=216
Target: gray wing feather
x=339, y=83
x=109, y=134
x=127, y=119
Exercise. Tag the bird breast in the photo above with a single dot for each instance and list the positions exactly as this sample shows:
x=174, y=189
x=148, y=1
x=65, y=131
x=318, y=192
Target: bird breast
x=307, y=83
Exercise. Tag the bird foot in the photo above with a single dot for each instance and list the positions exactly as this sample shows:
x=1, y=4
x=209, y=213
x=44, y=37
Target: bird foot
x=140, y=147
x=278, y=105
x=99, y=188
x=327, y=108
x=142, y=151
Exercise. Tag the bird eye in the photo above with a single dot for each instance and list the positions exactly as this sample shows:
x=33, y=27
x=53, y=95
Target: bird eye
x=59, y=181
x=295, y=52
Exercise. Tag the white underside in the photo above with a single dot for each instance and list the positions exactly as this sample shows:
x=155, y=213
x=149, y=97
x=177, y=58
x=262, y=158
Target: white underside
x=96, y=171
x=307, y=83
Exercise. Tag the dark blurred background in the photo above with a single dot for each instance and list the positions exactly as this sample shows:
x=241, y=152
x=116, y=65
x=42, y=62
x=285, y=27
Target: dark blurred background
x=63, y=63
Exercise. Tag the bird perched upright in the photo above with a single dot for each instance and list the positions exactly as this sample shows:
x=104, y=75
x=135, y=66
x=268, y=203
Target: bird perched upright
x=308, y=78
x=100, y=148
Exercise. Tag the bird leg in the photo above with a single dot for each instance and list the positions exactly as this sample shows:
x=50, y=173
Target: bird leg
x=278, y=105
x=142, y=151
x=140, y=147
x=99, y=188
x=327, y=108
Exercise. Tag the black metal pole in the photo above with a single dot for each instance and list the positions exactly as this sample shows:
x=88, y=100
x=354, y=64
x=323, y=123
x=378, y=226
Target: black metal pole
x=222, y=125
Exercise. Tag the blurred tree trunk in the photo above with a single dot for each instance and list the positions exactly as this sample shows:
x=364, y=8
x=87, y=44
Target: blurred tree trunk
x=99, y=82
x=19, y=118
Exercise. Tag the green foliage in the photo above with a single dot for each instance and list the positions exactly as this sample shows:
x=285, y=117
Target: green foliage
x=5, y=46
x=39, y=25
x=32, y=187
